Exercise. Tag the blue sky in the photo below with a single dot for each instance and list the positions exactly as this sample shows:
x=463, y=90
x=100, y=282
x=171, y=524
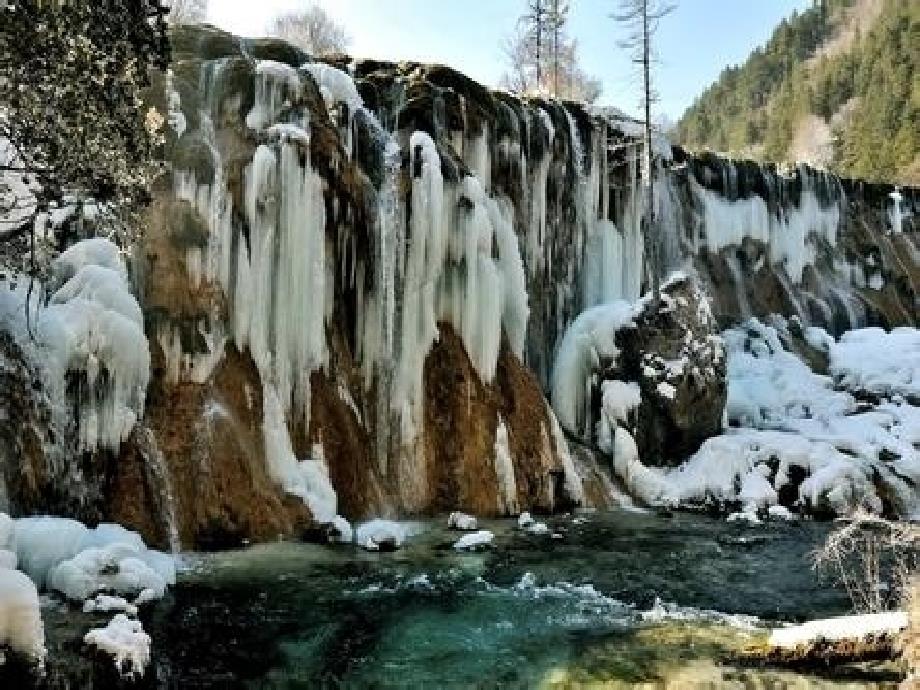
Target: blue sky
x=694, y=43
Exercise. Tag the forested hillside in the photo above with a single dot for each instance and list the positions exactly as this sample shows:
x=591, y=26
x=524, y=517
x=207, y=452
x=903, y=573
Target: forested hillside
x=836, y=85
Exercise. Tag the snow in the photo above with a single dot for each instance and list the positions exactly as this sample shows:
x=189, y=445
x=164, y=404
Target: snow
x=527, y=523
x=666, y=390
x=871, y=360
x=462, y=522
x=126, y=642
x=840, y=628
x=619, y=399
x=778, y=512
x=475, y=541
x=21, y=626
x=767, y=385
x=588, y=341
x=116, y=568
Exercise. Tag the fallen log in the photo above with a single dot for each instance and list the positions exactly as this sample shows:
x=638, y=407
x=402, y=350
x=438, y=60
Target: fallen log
x=831, y=642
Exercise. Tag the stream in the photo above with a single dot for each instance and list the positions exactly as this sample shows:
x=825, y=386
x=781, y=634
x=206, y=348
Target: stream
x=607, y=600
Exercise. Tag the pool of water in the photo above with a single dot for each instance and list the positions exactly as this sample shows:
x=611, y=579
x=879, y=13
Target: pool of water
x=609, y=600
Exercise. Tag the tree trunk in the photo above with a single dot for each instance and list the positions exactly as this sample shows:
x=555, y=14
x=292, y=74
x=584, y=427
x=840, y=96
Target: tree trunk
x=651, y=238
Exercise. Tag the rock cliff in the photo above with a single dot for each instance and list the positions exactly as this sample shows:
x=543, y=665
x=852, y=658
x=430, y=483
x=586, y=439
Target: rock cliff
x=358, y=278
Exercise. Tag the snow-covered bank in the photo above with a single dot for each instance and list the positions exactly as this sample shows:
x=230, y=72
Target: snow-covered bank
x=101, y=567
x=798, y=438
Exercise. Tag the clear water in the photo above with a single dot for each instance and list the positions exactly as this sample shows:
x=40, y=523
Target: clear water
x=619, y=600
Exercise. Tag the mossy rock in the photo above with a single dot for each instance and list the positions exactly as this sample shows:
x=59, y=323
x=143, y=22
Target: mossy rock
x=275, y=49
x=188, y=230
x=204, y=42
x=195, y=155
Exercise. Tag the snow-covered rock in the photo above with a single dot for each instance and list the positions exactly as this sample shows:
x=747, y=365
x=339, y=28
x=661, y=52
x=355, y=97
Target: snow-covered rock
x=462, y=522
x=796, y=440
x=527, y=523
x=474, y=541
x=103, y=603
x=382, y=535
x=126, y=642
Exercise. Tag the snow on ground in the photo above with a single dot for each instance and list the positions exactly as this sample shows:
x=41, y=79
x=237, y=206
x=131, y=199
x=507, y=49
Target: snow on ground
x=840, y=628
x=126, y=642
x=796, y=432
x=884, y=364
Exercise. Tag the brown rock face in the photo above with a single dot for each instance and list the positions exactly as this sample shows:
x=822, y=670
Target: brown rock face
x=211, y=439
x=462, y=414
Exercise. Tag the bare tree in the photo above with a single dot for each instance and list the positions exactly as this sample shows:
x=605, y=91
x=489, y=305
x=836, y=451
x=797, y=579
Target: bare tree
x=313, y=30
x=546, y=61
x=557, y=18
x=534, y=24
x=873, y=559
x=188, y=11
x=641, y=18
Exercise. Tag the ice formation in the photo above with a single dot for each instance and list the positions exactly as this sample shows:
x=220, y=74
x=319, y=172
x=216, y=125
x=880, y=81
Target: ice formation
x=504, y=471
x=454, y=258
x=791, y=234
x=589, y=341
x=126, y=642
x=307, y=479
x=90, y=345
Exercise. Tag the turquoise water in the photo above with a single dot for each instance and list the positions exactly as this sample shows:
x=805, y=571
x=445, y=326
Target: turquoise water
x=618, y=600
